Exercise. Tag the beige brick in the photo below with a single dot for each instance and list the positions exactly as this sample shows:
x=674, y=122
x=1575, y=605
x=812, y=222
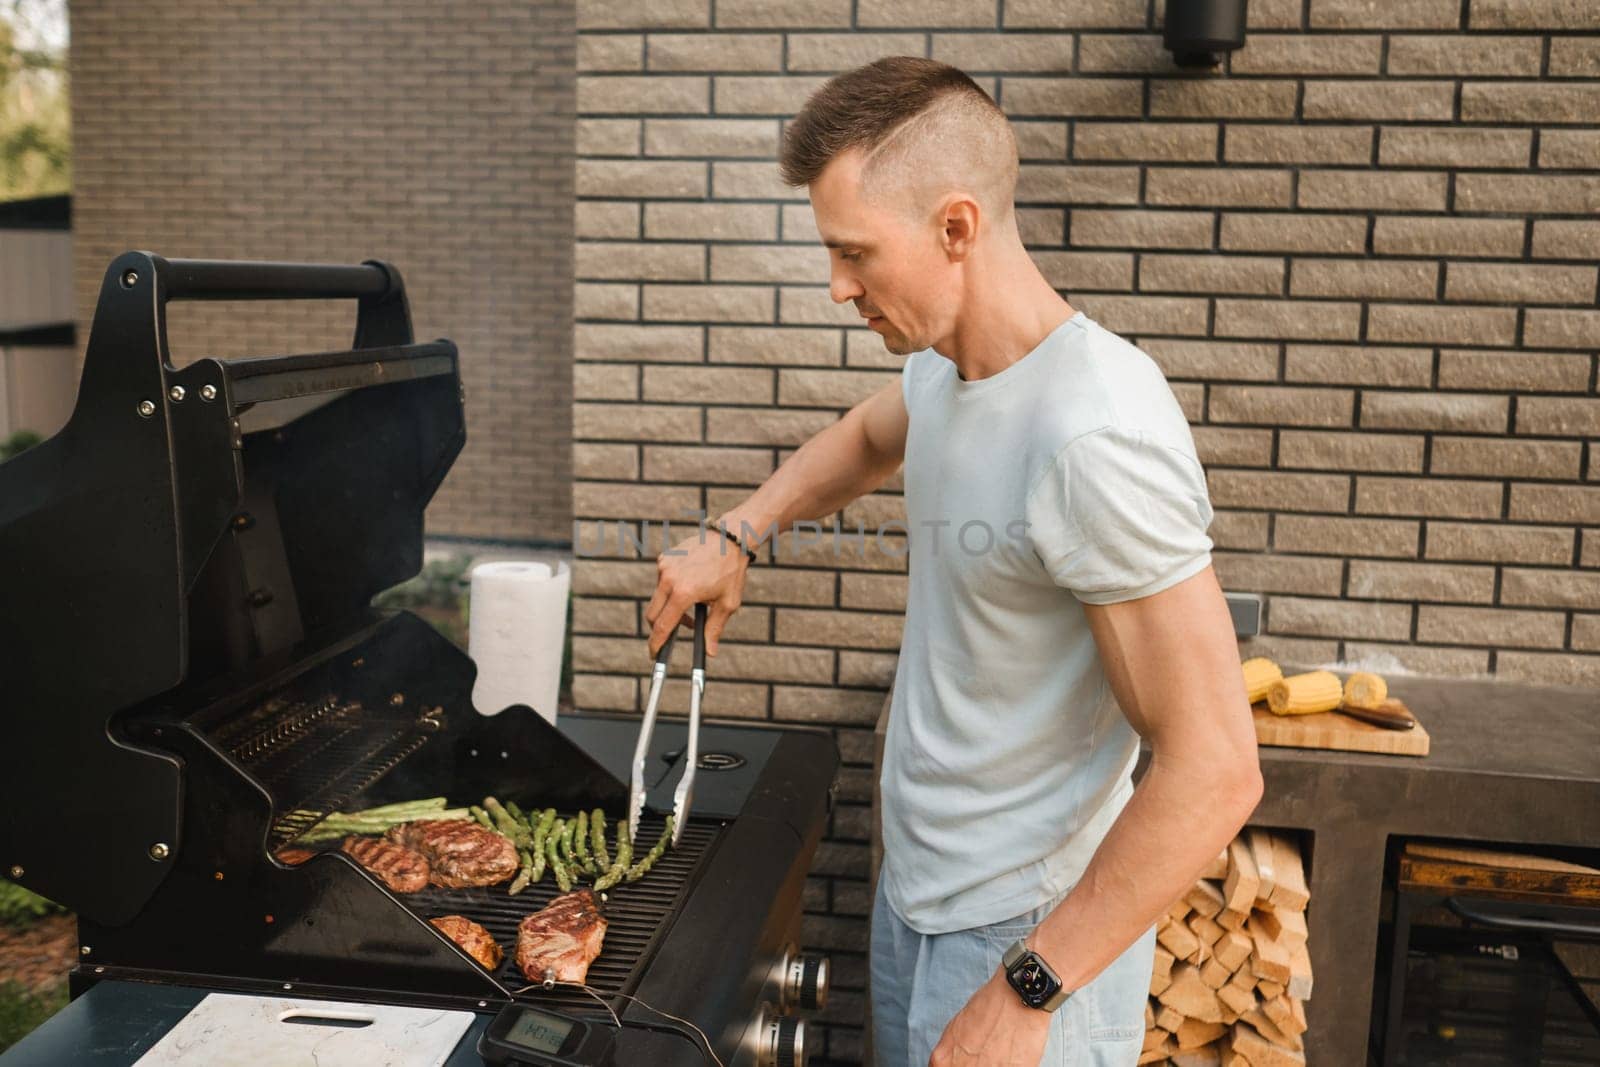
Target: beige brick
x=1550, y=589
x=1250, y=275
x=1220, y=187
x=1548, y=668
x=1563, y=239
x=593, y=218
x=1499, y=542
x=1591, y=548
x=624, y=178
x=622, y=51
x=1541, y=194
x=708, y=384
x=1384, y=280
x=1239, y=529
x=1267, y=232
x=1345, y=536
x=1505, y=459
x=1300, y=319
x=1350, y=451
x=591, y=615
x=748, y=14
x=1435, y=324
x=1586, y=632
x=826, y=705
x=1575, y=57
x=1265, y=14
x=1338, y=618
x=851, y=629
x=594, y=300
x=1541, y=102
x=770, y=663
x=608, y=137
x=1214, y=359
x=1451, y=583
x=597, y=382
x=925, y=13
x=1378, y=190
x=642, y=14
x=750, y=181
x=711, y=137
x=710, y=222
x=1417, y=659
x=1145, y=314
x=830, y=52
x=863, y=348
x=764, y=426
x=1570, y=149
x=1229, y=446
x=632, y=94
x=1085, y=270
x=1519, y=283
x=1407, y=101
x=1559, y=417
x=1252, y=572
x=1448, y=237
x=1089, y=14
x=790, y=585
x=1040, y=140
x=645, y=344
x=617, y=260
x=1243, y=143
x=797, y=222
x=873, y=592
x=634, y=422
x=602, y=692
x=812, y=306
x=1377, y=14
x=1358, y=365
x=710, y=466
x=1071, y=96
x=1191, y=398
x=1433, y=411
x=872, y=550
x=768, y=263
x=829, y=388
x=1004, y=52
x=1432, y=146
x=1562, y=329
x=614, y=462
x=717, y=52
x=1142, y=229
x=1465, y=54
x=618, y=500
x=1300, y=54
x=1536, y=371
x=1123, y=53
x=867, y=668
x=1490, y=626
x=1534, y=15
x=1057, y=183
x=763, y=95
x=1226, y=98
x=1280, y=405
x=597, y=578
x=776, y=346
x=712, y=303
x=1294, y=653
x=1427, y=498
x=1193, y=142
x=1555, y=503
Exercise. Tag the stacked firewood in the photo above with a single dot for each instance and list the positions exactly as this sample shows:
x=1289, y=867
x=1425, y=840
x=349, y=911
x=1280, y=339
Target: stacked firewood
x=1232, y=972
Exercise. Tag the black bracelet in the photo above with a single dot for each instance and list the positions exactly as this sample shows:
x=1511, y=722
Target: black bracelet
x=729, y=535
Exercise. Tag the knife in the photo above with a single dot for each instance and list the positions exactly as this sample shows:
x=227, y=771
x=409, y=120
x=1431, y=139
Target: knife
x=1391, y=715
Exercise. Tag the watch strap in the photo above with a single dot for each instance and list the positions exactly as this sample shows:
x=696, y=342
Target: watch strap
x=1013, y=955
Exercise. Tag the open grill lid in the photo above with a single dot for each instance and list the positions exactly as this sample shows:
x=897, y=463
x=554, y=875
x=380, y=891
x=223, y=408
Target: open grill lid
x=153, y=543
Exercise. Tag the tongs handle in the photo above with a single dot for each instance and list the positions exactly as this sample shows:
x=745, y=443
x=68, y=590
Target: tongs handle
x=683, y=797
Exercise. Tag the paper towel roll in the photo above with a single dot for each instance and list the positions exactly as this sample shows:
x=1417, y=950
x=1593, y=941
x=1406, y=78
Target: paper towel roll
x=517, y=626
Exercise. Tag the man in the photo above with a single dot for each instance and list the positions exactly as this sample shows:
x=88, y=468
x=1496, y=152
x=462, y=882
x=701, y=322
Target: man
x=1034, y=655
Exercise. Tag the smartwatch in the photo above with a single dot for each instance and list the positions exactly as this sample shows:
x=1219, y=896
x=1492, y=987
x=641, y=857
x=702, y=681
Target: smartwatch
x=1032, y=978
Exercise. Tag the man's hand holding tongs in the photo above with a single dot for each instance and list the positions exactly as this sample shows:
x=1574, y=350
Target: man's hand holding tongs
x=705, y=568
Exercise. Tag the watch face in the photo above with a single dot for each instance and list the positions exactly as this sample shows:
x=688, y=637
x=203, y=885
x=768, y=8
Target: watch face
x=1033, y=980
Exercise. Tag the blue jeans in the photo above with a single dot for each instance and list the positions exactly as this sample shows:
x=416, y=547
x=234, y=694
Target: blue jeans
x=920, y=982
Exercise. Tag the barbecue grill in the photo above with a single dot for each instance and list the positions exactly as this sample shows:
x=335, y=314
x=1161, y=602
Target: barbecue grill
x=196, y=675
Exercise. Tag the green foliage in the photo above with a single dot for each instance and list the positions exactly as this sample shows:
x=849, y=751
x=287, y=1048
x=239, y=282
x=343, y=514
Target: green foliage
x=35, y=115
x=18, y=907
x=22, y=1009
x=20, y=441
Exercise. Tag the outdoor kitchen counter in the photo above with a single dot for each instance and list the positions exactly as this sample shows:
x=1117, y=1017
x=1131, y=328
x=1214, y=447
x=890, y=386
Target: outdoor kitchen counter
x=1508, y=763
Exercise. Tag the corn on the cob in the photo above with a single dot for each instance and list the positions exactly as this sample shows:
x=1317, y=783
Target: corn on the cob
x=1303, y=694
x=1259, y=674
x=1364, y=690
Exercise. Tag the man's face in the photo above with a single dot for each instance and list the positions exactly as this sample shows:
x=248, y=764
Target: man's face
x=887, y=263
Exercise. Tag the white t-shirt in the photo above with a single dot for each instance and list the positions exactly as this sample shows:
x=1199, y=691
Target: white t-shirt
x=1070, y=477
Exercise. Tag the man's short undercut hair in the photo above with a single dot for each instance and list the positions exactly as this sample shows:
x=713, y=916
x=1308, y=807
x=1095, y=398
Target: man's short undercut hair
x=924, y=127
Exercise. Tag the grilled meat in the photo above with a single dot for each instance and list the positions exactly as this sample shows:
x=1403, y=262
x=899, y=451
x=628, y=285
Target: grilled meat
x=460, y=853
x=293, y=855
x=402, y=869
x=474, y=940
x=562, y=939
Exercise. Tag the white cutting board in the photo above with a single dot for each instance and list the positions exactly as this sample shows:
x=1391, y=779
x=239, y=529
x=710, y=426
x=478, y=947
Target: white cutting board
x=229, y=1030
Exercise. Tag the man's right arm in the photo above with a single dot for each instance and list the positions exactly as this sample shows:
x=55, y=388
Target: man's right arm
x=847, y=460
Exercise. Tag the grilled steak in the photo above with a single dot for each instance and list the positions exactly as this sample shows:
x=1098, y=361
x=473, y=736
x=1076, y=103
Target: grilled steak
x=293, y=855
x=402, y=869
x=562, y=939
x=460, y=853
x=473, y=939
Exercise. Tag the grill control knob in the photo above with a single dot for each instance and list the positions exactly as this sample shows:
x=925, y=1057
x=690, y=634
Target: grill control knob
x=806, y=983
x=783, y=1043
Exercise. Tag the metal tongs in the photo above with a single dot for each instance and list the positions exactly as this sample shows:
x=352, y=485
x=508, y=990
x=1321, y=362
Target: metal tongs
x=683, y=795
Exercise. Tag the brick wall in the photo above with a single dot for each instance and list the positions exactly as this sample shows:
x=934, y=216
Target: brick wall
x=1365, y=260
x=438, y=137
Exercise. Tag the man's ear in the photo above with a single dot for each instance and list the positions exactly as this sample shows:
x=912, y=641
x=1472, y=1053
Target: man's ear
x=958, y=220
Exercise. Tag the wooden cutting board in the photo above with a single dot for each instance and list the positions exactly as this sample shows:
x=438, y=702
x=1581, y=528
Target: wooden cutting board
x=1330, y=729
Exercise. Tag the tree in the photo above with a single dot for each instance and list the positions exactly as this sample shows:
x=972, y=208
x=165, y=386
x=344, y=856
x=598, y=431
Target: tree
x=35, y=119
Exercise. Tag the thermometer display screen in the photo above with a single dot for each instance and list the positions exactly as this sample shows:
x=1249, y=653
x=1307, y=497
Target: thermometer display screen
x=539, y=1032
